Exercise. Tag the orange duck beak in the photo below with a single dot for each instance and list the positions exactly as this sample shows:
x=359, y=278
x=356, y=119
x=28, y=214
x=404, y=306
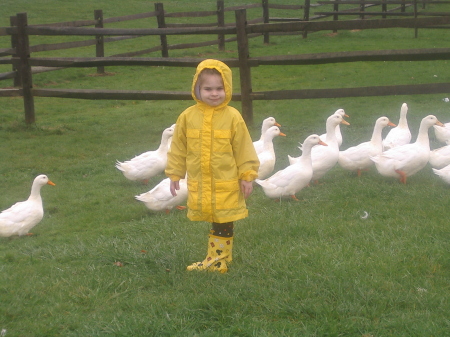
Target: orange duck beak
x=391, y=124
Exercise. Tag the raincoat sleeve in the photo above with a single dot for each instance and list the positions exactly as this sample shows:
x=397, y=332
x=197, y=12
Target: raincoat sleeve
x=244, y=153
x=176, y=157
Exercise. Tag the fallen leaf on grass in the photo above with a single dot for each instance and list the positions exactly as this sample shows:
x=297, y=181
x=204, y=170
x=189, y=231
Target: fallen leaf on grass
x=118, y=264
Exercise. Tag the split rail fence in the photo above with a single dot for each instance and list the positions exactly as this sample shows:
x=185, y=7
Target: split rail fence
x=241, y=30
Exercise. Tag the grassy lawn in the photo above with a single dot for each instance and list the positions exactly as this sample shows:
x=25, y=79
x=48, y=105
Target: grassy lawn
x=307, y=268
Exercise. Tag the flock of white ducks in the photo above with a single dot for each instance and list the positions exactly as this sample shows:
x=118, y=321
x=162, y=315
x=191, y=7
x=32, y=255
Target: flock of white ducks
x=394, y=156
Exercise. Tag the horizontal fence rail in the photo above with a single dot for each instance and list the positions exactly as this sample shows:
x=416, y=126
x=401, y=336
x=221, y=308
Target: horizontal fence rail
x=302, y=59
x=23, y=64
x=387, y=90
x=255, y=28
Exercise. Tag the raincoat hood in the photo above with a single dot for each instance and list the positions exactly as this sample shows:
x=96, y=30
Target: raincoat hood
x=224, y=70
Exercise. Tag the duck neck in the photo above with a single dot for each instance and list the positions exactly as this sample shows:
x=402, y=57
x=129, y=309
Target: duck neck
x=164, y=143
x=337, y=130
x=263, y=133
x=376, y=134
x=331, y=133
x=403, y=122
x=35, y=192
x=268, y=142
x=422, y=136
x=306, y=155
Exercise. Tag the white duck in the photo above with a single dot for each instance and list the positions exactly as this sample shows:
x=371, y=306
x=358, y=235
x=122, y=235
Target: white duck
x=267, y=157
x=399, y=135
x=324, y=158
x=443, y=173
x=159, y=198
x=266, y=124
x=443, y=133
x=440, y=157
x=338, y=128
x=148, y=164
x=357, y=158
x=406, y=160
x=24, y=215
x=287, y=182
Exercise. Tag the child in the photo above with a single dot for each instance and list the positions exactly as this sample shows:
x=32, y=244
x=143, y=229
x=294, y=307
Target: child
x=212, y=145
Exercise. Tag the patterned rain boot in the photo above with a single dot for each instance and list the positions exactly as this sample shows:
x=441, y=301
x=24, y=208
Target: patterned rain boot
x=219, y=255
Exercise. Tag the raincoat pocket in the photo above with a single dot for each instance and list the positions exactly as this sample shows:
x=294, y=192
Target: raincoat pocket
x=227, y=194
x=222, y=141
x=192, y=201
x=193, y=140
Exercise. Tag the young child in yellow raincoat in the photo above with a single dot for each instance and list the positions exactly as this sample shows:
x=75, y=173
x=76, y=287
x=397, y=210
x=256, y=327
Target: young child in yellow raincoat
x=211, y=143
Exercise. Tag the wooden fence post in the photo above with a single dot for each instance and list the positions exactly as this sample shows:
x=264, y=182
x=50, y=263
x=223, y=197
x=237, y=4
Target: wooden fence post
x=362, y=8
x=306, y=16
x=336, y=16
x=265, y=6
x=100, y=45
x=159, y=9
x=23, y=52
x=383, y=9
x=244, y=68
x=416, y=30
x=403, y=6
x=17, y=79
x=221, y=23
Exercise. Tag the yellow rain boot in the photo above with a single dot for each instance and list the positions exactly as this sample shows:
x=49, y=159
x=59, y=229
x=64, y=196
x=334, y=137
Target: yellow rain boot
x=219, y=255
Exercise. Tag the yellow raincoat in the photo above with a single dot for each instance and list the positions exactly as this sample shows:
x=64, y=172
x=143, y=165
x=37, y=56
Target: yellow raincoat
x=213, y=146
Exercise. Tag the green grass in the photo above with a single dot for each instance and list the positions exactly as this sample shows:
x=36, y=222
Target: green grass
x=307, y=268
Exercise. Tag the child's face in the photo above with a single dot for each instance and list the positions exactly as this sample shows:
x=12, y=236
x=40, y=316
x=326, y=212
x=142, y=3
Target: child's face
x=212, y=91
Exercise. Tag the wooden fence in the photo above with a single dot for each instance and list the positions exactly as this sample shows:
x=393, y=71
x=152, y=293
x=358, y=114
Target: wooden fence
x=161, y=17
x=241, y=30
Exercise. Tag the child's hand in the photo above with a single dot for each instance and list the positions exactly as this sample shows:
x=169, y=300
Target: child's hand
x=174, y=187
x=246, y=188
